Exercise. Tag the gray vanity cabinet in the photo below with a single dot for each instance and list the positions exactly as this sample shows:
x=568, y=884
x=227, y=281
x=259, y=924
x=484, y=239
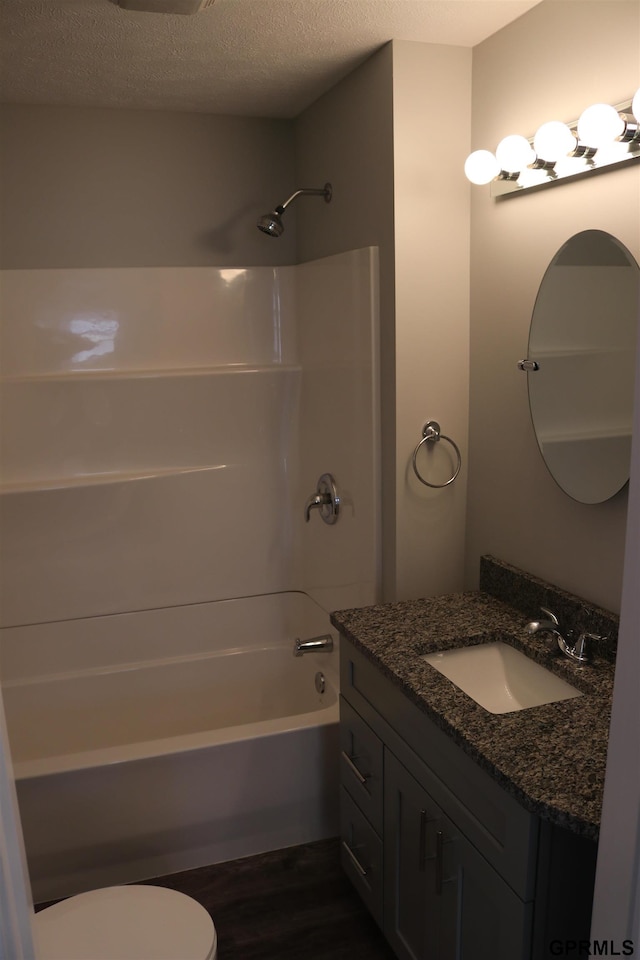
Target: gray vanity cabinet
x=451, y=866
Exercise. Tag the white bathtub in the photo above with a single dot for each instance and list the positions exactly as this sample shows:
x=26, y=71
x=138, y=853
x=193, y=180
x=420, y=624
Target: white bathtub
x=147, y=743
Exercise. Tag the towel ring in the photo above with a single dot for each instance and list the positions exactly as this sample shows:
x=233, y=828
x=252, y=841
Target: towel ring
x=431, y=433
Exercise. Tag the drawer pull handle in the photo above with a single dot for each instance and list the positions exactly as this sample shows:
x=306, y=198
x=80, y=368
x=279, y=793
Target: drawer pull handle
x=439, y=861
x=422, y=843
x=363, y=871
x=422, y=856
x=440, y=881
x=359, y=776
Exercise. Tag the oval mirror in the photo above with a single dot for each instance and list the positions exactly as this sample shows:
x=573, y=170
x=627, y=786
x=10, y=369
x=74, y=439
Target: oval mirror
x=581, y=365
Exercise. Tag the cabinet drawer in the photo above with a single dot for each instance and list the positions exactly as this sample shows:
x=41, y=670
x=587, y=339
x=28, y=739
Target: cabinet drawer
x=361, y=755
x=361, y=855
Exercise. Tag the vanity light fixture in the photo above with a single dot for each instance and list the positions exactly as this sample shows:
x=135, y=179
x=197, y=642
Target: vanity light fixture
x=603, y=137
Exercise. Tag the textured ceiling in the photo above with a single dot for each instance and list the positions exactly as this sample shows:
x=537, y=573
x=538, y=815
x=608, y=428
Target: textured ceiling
x=268, y=58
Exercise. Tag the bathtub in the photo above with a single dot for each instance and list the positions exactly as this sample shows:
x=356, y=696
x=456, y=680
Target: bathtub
x=148, y=743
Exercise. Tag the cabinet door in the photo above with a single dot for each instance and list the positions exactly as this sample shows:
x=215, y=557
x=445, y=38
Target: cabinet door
x=481, y=917
x=411, y=907
x=442, y=899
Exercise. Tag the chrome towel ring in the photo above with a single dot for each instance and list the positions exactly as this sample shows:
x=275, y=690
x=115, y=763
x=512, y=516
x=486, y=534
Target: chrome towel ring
x=431, y=434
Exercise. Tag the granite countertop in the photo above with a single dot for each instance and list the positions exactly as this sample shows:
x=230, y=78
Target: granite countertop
x=550, y=758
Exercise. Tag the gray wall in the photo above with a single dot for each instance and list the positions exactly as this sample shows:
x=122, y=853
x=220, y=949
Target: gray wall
x=377, y=136
x=523, y=75
x=85, y=187
x=431, y=226
x=616, y=908
x=346, y=137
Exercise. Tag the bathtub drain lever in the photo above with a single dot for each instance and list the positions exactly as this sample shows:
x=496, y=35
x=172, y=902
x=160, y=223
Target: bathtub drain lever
x=323, y=644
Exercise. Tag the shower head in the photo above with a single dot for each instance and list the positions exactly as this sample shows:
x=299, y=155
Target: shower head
x=271, y=223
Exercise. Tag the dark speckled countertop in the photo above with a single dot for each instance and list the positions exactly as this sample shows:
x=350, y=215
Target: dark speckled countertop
x=550, y=758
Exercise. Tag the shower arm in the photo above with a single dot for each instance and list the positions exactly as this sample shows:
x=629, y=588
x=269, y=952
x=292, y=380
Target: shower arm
x=308, y=191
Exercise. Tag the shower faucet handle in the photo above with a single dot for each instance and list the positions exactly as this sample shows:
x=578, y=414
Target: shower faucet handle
x=325, y=499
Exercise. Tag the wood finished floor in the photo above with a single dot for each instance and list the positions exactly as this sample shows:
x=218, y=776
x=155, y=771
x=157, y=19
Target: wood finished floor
x=293, y=904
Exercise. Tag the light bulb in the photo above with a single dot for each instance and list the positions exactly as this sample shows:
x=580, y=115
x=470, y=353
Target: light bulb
x=635, y=105
x=600, y=124
x=481, y=167
x=514, y=153
x=553, y=141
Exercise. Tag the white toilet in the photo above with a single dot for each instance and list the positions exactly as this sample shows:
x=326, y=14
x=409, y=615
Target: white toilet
x=136, y=922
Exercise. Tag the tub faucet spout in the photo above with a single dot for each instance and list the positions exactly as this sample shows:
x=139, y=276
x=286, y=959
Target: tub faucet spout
x=323, y=644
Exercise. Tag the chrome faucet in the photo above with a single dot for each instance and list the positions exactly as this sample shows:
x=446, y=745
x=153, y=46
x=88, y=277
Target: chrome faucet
x=326, y=499
x=550, y=625
x=577, y=651
x=323, y=644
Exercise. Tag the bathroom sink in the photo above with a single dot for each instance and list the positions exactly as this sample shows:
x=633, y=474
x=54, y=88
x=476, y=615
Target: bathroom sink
x=500, y=678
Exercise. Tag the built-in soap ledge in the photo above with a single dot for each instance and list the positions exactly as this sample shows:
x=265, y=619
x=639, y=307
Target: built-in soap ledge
x=100, y=479
x=69, y=376
x=80, y=432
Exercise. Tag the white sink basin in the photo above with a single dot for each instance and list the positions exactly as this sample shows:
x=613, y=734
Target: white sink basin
x=500, y=678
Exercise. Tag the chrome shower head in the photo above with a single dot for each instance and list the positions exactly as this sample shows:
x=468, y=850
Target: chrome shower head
x=271, y=223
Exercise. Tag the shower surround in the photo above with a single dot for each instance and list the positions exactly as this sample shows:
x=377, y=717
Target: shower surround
x=162, y=429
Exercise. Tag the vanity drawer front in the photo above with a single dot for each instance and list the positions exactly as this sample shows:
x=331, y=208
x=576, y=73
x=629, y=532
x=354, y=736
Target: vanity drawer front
x=361, y=854
x=361, y=761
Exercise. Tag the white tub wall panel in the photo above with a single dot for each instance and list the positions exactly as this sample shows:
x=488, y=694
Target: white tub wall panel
x=86, y=717
x=132, y=821
x=145, y=543
x=66, y=431
x=157, y=539
x=338, y=336
x=341, y=298
x=164, y=634
x=81, y=320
